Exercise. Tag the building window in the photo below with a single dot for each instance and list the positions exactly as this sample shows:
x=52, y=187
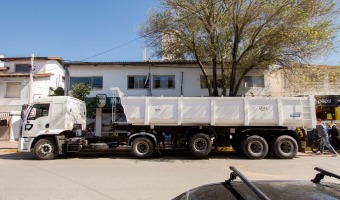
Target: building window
x=164, y=82
x=26, y=68
x=204, y=84
x=95, y=82
x=253, y=81
x=138, y=82
x=13, y=90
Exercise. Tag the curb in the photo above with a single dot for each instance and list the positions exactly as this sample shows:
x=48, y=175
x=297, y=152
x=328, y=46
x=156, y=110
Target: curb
x=9, y=150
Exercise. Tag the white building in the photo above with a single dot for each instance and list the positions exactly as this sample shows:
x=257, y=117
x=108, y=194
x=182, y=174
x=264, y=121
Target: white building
x=155, y=78
x=48, y=74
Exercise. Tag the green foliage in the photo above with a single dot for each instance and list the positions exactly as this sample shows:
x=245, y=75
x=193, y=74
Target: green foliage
x=59, y=91
x=80, y=90
x=91, y=105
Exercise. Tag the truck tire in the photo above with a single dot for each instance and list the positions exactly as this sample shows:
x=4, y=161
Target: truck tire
x=255, y=147
x=200, y=145
x=285, y=147
x=142, y=147
x=45, y=149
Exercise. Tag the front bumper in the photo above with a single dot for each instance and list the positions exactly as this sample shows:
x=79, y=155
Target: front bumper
x=25, y=144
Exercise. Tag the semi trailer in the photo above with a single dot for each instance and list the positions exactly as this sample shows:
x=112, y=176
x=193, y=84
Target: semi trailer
x=253, y=126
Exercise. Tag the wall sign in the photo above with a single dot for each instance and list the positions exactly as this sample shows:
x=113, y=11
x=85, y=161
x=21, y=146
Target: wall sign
x=327, y=100
x=102, y=100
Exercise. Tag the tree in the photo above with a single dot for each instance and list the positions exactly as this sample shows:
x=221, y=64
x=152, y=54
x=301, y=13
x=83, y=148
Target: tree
x=91, y=106
x=59, y=91
x=233, y=37
x=80, y=91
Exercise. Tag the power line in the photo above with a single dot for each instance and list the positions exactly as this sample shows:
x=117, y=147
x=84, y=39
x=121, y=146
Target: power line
x=111, y=49
x=116, y=47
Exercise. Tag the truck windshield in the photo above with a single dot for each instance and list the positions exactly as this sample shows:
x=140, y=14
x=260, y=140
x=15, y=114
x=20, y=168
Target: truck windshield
x=38, y=110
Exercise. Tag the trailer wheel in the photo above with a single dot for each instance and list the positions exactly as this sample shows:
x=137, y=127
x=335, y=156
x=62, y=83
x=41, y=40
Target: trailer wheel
x=142, y=147
x=285, y=147
x=45, y=149
x=200, y=145
x=255, y=147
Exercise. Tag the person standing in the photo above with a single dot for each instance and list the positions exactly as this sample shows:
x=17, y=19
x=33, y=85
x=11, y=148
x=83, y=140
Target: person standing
x=335, y=136
x=322, y=130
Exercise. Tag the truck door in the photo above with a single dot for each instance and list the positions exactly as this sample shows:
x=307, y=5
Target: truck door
x=37, y=120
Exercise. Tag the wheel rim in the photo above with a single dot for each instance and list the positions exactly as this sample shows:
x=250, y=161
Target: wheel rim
x=200, y=144
x=142, y=147
x=256, y=147
x=287, y=147
x=45, y=149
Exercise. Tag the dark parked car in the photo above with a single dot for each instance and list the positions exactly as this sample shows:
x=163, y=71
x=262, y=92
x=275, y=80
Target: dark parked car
x=230, y=189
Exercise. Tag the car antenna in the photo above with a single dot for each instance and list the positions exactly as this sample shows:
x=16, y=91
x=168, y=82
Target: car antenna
x=235, y=173
x=322, y=174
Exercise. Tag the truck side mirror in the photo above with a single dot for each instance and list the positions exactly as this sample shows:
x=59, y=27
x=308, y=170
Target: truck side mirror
x=23, y=111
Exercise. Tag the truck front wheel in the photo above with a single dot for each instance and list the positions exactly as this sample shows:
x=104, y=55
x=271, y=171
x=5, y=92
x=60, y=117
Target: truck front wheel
x=142, y=147
x=45, y=149
x=285, y=147
x=200, y=145
x=255, y=147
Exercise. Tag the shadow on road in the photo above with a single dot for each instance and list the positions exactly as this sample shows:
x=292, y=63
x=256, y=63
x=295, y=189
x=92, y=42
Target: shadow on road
x=17, y=156
x=165, y=157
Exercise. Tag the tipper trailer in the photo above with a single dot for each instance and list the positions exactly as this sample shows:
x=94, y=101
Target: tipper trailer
x=253, y=126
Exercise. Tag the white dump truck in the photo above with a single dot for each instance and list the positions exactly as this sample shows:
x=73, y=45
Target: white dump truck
x=253, y=126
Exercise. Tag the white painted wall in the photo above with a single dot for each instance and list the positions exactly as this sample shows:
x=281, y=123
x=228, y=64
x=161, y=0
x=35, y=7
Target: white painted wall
x=41, y=87
x=116, y=76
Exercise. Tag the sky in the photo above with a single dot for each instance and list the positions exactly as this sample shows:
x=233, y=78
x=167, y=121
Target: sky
x=74, y=29
x=84, y=30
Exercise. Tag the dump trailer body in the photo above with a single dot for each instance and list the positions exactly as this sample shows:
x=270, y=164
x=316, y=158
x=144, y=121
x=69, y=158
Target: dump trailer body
x=250, y=124
x=219, y=111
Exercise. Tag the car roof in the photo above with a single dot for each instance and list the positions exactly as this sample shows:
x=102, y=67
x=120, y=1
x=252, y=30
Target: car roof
x=272, y=189
x=230, y=189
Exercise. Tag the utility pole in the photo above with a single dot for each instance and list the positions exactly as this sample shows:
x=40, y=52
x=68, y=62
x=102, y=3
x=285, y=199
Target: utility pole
x=30, y=84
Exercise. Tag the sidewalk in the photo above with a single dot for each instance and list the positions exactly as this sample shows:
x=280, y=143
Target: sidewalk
x=9, y=146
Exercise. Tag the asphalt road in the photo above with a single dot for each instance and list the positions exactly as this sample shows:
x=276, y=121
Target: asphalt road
x=118, y=175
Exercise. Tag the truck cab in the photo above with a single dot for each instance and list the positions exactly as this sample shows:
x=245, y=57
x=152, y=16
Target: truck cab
x=48, y=118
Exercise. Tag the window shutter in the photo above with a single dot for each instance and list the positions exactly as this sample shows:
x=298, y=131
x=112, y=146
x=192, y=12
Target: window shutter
x=13, y=90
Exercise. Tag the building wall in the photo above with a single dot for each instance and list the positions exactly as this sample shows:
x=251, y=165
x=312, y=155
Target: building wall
x=116, y=76
x=297, y=85
x=41, y=87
